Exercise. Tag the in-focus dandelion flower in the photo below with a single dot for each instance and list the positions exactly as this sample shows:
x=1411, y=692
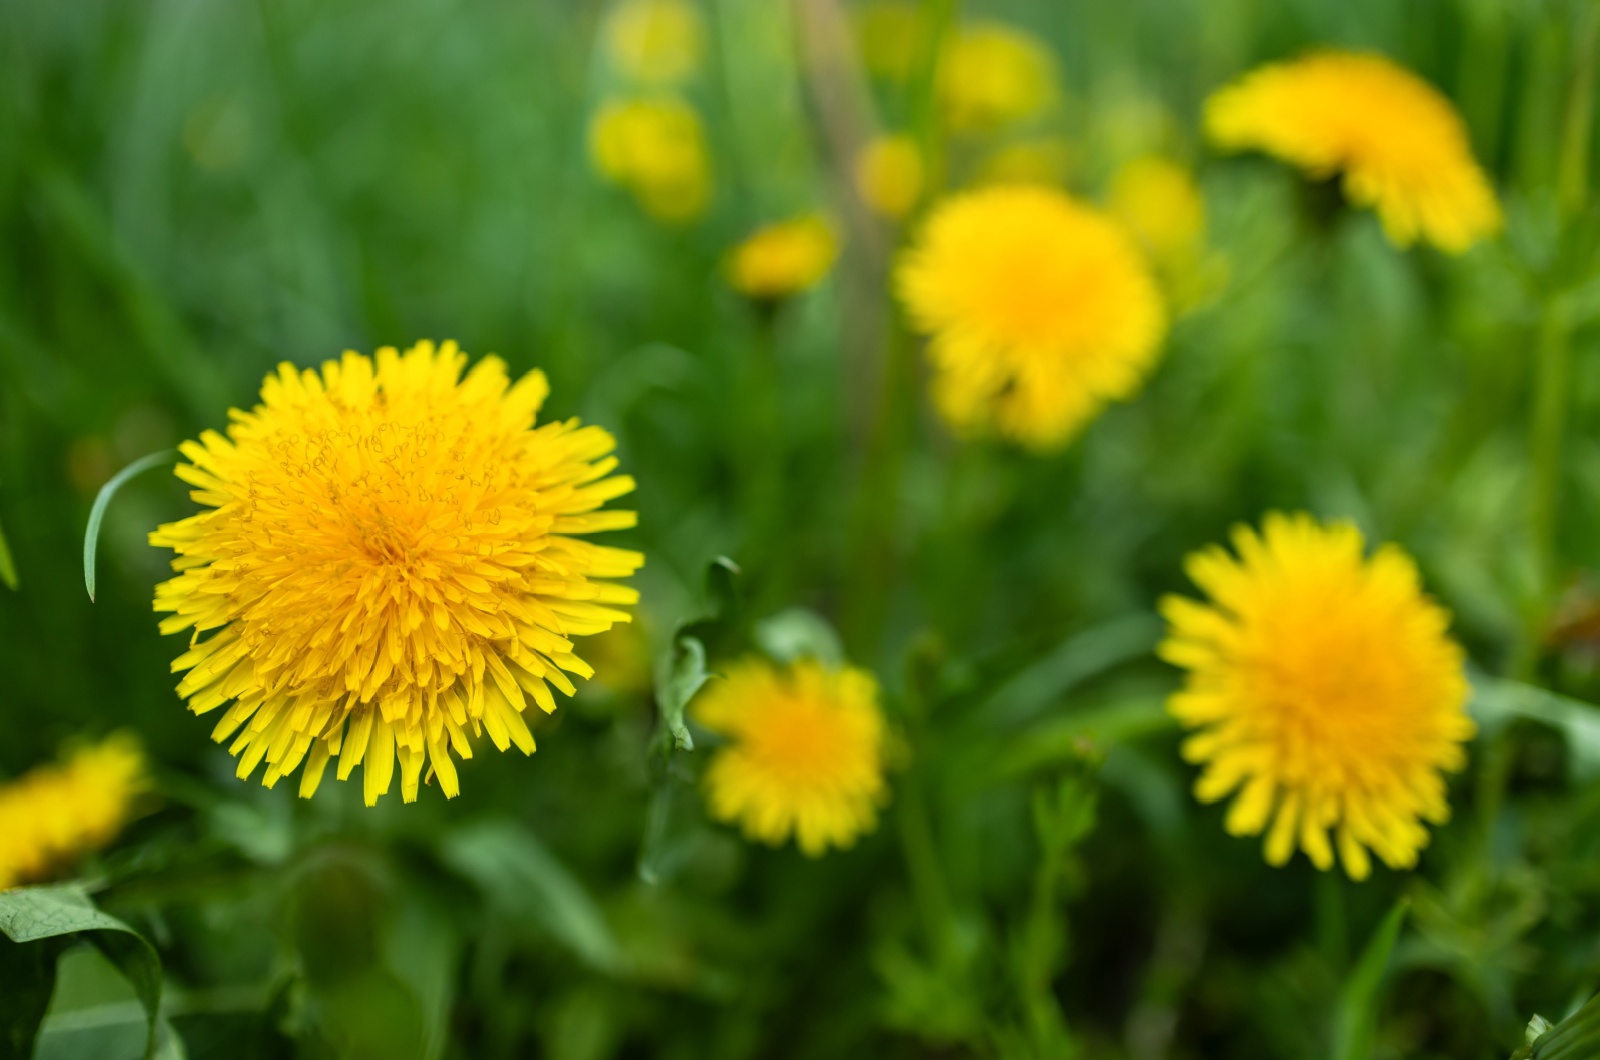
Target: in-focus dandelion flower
x=654, y=42
x=1040, y=309
x=804, y=755
x=889, y=175
x=992, y=75
x=57, y=813
x=388, y=566
x=1326, y=692
x=1400, y=145
x=784, y=258
x=891, y=35
x=656, y=148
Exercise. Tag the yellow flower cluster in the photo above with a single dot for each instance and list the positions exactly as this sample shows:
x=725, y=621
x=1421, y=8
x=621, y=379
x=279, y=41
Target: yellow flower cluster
x=783, y=259
x=1041, y=310
x=56, y=813
x=654, y=147
x=1400, y=146
x=804, y=755
x=992, y=75
x=389, y=564
x=648, y=139
x=1324, y=690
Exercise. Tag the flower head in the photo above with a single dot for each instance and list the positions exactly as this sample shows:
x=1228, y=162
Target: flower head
x=1041, y=311
x=889, y=175
x=1400, y=145
x=804, y=753
x=1325, y=691
x=387, y=567
x=56, y=813
x=654, y=147
x=992, y=75
x=783, y=259
x=654, y=42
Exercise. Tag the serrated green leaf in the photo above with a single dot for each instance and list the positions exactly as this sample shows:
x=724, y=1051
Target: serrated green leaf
x=516, y=871
x=97, y=514
x=1356, y=1019
x=683, y=674
x=33, y=915
x=799, y=634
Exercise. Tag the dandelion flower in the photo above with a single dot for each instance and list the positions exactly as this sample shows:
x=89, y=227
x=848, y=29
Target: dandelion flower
x=1041, y=310
x=1325, y=691
x=1400, y=145
x=387, y=567
x=654, y=42
x=889, y=175
x=783, y=259
x=56, y=813
x=804, y=753
x=656, y=148
x=992, y=75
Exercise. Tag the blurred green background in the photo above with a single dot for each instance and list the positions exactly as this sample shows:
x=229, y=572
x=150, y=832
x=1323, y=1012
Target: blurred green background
x=192, y=192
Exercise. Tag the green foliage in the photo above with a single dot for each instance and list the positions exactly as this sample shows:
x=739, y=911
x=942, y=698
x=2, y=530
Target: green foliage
x=191, y=194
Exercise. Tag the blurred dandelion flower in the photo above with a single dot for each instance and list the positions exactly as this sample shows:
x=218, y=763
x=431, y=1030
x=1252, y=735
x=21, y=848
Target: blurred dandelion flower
x=388, y=564
x=992, y=75
x=1401, y=146
x=805, y=752
x=1041, y=310
x=654, y=42
x=889, y=175
x=784, y=258
x=1325, y=689
x=891, y=35
x=655, y=148
x=56, y=813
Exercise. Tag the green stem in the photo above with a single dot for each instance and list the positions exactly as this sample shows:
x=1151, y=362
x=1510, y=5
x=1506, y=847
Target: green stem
x=928, y=890
x=1572, y=173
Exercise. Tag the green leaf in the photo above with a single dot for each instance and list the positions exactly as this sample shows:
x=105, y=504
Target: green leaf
x=42, y=914
x=1356, y=1019
x=1575, y=1038
x=1074, y=661
x=8, y=566
x=684, y=675
x=27, y=978
x=91, y=533
x=799, y=634
x=515, y=870
x=1495, y=702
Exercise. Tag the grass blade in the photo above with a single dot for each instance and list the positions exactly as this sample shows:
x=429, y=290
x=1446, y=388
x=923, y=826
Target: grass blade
x=91, y=533
x=8, y=566
x=1357, y=1016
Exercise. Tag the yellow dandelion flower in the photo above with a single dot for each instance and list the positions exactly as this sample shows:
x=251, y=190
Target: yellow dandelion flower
x=654, y=42
x=1040, y=308
x=804, y=753
x=891, y=35
x=889, y=175
x=783, y=259
x=56, y=813
x=386, y=566
x=1043, y=160
x=656, y=148
x=1400, y=145
x=992, y=75
x=1325, y=691
x=1159, y=202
